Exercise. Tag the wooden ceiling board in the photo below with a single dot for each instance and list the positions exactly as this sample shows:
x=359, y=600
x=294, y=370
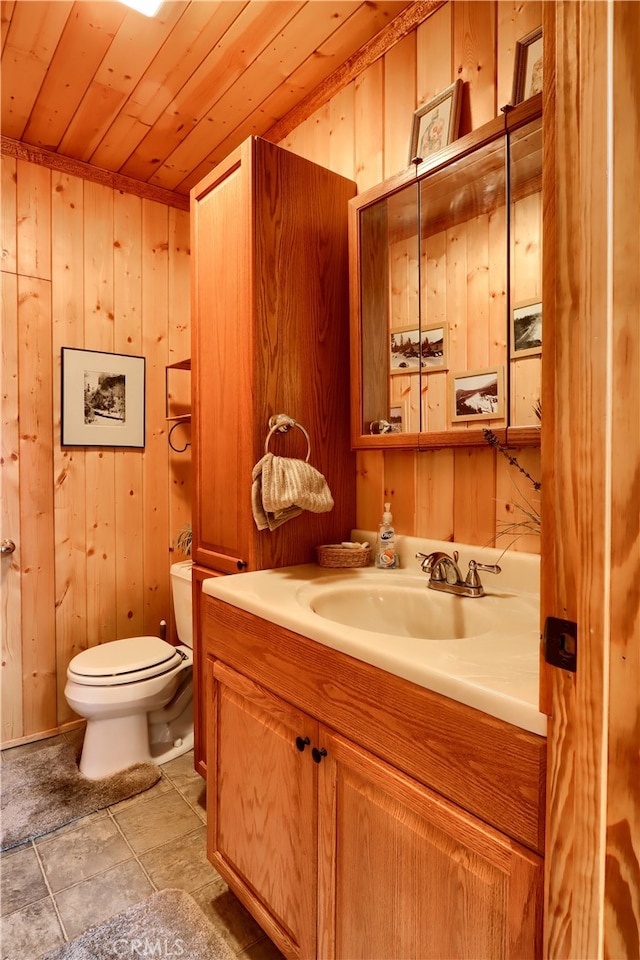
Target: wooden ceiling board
x=160, y=100
x=37, y=28
x=240, y=47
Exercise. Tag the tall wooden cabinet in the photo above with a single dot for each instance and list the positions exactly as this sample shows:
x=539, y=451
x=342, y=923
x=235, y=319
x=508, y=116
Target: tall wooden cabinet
x=270, y=336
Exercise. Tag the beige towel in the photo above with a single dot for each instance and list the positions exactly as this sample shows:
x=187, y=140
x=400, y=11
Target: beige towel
x=283, y=487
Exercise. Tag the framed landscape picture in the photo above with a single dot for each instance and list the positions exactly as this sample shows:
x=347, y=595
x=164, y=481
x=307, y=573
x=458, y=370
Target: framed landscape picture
x=526, y=328
x=477, y=395
x=103, y=399
x=414, y=348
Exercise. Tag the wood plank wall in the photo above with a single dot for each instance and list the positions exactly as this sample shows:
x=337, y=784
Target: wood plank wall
x=87, y=265
x=83, y=265
x=363, y=132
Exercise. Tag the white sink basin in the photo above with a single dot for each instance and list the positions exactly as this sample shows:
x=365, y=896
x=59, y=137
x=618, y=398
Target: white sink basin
x=406, y=607
x=405, y=611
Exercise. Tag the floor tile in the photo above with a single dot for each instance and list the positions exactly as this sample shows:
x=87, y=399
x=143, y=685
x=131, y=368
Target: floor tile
x=95, y=900
x=181, y=863
x=188, y=782
x=164, y=818
x=31, y=932
x=81, y=853
x=228, y=915
x=21, y=881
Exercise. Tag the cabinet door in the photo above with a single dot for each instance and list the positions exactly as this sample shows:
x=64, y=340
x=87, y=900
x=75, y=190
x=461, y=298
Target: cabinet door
x=221, y=360
x=262, y=807
x=404, y=873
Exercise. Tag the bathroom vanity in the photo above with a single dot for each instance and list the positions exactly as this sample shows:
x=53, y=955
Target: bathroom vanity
x=355, y=812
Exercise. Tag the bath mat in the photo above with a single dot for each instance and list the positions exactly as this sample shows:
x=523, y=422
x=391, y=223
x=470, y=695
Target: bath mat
x=168, y=924
x=44, y=789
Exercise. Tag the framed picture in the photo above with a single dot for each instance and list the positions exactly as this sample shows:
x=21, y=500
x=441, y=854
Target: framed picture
x=526, y=328
x=412, y=349
x=404, y=350
x=434, y=347
x=398, y=416
x=527, y=71
x=103, y=399
x=477, y=394
x=435, y=123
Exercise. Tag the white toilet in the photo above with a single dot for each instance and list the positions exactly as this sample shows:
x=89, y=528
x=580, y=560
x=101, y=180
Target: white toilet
x=137, y=694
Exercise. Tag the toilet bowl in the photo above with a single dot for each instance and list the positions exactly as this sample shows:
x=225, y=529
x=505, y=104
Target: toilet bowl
x=136, y=694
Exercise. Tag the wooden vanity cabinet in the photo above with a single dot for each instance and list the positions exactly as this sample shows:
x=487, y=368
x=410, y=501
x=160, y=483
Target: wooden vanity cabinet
x=357, y=815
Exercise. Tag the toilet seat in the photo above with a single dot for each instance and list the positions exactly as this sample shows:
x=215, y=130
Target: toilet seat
x=124, y=661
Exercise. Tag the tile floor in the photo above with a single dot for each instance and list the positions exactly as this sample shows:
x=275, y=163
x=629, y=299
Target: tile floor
x=55, y=888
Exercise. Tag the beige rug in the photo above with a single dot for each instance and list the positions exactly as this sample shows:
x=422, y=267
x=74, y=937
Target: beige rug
x=44, y=789
x=169, y=924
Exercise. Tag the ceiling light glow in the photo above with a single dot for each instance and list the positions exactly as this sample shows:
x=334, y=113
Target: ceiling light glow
x=148, y=7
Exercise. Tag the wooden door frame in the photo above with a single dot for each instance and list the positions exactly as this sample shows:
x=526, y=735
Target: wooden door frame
x=591, y=474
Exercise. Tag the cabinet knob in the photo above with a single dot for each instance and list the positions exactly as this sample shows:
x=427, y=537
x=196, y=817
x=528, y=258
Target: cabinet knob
x=241, y=564
x=318, y=754
x=301, y=744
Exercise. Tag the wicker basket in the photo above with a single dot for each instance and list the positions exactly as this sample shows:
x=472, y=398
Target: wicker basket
x=334, y=555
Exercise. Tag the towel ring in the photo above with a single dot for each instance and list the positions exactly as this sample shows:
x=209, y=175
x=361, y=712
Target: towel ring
x=282, y=423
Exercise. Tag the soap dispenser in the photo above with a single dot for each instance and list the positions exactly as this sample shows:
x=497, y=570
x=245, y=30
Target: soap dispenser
x=386, y=556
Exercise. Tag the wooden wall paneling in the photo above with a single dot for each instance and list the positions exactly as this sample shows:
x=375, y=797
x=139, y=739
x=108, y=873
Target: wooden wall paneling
x=342, y=143
x=498, y=319
x=434, y=60
x=8, y=200
x=6, y=12
x=589, y=471
x=400, y=489
x=515, y=20
x=515, y=495
x=474, y=505
x=369, y=100
x=179, y=344
x=99, y=461
x=456, y=293
x=34, y=220
x=622, y=868
x=370, y=489
x=478, y=260
x=399, y=103
x=24, y=67
x=36, y=505
x=155, y=266
x=128, y=483
x=435, y=401
x=434, y=497
x=474, y=51
x=68, y=312
x=525, y=391
x=435, y=404
x=11, y=612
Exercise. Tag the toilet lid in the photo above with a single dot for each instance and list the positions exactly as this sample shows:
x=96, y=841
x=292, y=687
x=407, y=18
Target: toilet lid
x=124, y=661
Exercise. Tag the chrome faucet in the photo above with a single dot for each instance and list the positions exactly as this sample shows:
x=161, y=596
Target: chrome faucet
x=444, y=574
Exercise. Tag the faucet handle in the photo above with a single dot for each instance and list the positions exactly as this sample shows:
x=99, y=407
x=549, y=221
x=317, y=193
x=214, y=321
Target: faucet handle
x=473, y=580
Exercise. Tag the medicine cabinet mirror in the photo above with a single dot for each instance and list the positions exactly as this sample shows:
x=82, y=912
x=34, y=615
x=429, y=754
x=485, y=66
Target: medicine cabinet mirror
x=446, y=311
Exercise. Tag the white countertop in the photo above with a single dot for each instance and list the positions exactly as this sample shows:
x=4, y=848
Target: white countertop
x=496, y=672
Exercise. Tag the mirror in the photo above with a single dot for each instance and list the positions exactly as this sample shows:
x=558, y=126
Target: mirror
x=446, y=307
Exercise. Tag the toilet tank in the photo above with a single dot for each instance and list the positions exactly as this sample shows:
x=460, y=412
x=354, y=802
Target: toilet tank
x=182, y=602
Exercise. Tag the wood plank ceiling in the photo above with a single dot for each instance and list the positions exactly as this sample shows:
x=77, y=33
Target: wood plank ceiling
x=162, y=100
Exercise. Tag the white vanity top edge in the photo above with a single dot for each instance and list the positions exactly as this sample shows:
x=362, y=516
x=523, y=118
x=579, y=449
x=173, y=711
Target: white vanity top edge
x=498, y=675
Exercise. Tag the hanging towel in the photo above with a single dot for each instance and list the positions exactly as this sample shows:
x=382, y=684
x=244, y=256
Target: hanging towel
x=283, y=487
